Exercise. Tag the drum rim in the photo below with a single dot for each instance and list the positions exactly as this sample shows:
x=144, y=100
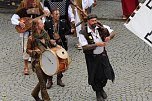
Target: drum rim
x=56, y=59
x=60, y=56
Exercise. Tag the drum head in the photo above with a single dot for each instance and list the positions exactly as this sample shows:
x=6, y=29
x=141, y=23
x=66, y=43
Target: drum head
x=49, y=62
x=62, y=53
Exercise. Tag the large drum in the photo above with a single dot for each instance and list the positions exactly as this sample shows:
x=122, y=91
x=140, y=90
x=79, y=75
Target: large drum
x=54, y=60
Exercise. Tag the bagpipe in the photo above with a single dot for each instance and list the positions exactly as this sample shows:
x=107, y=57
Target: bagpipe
x=103, y=30
x=83, y=13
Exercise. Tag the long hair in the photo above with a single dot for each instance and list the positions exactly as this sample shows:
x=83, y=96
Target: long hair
x=27, y=4
x=34, y=26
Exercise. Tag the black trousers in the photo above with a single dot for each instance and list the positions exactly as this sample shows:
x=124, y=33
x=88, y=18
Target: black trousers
x=99, y=70
x=98, y=85
x=59, y=76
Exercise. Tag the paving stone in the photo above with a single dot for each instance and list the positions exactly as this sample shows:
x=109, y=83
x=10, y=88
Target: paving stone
x=129, y=56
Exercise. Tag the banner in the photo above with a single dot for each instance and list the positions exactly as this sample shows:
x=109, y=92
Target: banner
x=140, y=22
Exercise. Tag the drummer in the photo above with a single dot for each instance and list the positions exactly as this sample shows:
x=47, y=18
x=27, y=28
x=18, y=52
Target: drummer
x=57, y=29
x=36, y=44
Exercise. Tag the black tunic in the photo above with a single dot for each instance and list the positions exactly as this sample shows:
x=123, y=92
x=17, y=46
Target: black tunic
x=63, y=30
x=98, y=66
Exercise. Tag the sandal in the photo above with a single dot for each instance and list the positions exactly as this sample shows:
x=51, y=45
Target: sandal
x=124, y=17
x=26, y=71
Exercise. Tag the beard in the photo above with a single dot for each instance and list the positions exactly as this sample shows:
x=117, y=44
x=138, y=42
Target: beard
x=93, y=26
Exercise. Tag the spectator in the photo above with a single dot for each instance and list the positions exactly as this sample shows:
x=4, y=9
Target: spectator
x=128, y=6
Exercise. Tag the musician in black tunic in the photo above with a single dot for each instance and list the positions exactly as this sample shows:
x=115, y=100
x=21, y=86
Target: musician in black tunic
x=93, y=38
x=57, y=29
x=64, y=8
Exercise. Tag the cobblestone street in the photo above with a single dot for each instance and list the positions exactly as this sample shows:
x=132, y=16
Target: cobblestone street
x=130, y=57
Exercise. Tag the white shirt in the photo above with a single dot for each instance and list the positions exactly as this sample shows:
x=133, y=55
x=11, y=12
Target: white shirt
x=70, y=14
x=96, y=38
x=15, y=21
x=15, y=18
x=76, y=18
x=91, y=2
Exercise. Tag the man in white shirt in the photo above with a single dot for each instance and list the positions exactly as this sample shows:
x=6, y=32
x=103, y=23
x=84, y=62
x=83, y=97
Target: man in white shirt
x=93, y=38
x=91, y=3
x=80, y=11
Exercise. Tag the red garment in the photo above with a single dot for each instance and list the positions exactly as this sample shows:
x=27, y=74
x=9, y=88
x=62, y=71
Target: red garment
x=129, y=6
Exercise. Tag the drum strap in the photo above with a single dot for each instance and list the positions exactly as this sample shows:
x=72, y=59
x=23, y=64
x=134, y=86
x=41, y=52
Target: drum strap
x=38, y=41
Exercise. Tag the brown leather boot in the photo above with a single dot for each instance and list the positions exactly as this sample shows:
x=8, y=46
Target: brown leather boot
x=60, y=83
x=49, y=83
x=36, y=98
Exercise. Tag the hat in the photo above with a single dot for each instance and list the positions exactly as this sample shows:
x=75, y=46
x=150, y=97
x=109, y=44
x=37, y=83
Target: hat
x=91, y=16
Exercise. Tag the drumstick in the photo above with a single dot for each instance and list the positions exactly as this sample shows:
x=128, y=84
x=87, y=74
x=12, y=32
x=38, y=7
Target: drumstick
x=47, y=58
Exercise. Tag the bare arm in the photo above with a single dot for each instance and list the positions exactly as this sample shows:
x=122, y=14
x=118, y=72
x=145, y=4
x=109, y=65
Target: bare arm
x=112, y=34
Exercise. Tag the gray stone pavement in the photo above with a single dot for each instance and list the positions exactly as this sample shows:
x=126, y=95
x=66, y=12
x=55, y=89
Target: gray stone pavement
x=129, y=56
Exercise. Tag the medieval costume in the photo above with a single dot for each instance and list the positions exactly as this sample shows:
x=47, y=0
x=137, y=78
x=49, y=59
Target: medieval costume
x=62, y=30
x=57, y=29
x=39, y=41
x=24, y=10
x=79, y=15
x=64, y=8
x=98, y=65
